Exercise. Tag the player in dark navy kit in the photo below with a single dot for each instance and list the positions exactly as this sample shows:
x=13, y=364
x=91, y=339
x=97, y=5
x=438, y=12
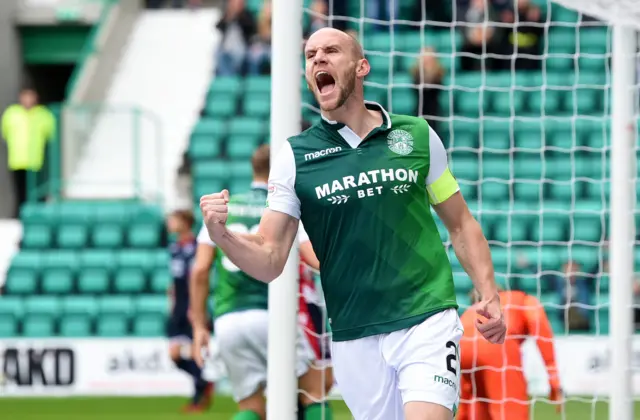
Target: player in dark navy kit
x=182, y=250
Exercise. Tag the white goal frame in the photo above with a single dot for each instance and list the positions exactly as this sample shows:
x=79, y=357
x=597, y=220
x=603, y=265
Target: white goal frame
x=285, y=122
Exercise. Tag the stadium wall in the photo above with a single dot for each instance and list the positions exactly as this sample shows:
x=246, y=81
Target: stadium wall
x=141, y=367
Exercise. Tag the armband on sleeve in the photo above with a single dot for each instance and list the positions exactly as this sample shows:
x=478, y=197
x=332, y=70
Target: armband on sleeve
x=443, y=188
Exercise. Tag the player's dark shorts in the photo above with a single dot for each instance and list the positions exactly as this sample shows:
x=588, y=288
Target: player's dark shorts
x=179, y=327
x=323, y=347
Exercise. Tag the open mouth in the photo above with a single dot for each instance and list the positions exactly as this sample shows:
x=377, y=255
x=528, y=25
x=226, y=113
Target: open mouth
x=325, y=82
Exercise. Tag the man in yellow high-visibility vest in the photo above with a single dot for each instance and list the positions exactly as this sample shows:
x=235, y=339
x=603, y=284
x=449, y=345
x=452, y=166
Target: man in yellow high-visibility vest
x=26, y=127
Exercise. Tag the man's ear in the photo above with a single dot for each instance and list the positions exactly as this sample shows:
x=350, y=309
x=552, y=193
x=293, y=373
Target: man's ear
x=362, y=67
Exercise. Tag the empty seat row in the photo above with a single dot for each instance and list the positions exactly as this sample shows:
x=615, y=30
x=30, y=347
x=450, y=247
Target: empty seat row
x=54, y=306
x=89, y=212
x=83, y=326
x=93, y=281
x=100, y=235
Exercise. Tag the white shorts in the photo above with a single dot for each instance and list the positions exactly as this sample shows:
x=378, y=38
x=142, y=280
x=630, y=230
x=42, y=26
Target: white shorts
x=242, y=341
x=377, y=375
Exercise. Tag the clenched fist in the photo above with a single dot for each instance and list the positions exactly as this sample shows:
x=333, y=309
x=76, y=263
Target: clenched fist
x=493, y=328
x=215, y=211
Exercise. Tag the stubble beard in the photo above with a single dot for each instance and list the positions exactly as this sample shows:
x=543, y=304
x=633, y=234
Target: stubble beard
x=345, y=92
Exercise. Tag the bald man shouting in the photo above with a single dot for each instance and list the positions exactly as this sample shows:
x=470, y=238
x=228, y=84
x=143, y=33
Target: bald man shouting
x=362, y=181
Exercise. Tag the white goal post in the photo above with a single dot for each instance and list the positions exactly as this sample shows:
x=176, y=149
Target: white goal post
x=624, y=16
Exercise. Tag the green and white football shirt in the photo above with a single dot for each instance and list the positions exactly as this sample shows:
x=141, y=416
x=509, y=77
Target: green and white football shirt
x=365, y=206
x=234, y=290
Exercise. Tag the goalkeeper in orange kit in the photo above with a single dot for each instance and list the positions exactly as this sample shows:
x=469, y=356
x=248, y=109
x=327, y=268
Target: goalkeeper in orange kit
x=493, y=385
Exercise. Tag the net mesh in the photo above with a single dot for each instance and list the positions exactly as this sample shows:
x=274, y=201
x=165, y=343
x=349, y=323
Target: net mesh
x=519, y=92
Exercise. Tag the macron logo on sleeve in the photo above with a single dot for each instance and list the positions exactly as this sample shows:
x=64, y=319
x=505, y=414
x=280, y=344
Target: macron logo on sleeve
x=320, y=153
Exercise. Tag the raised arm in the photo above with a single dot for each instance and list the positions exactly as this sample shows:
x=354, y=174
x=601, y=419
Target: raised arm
x=261, y=256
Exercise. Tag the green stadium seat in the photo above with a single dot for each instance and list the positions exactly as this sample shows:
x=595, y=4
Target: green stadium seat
x=143, y=235
x=161, y=280
x=80, y=306
x=72, y=236
x=11, y=306
x=240, y=185
x=547, y=100
x=57, y=281
x=93, y=281
x=8, y=327
x=550, y=230
x=38, y=326
x=21, y=281
x=602, y=283
x=49, y=306
x=75, y=212
x=381, y=63
x=149, y=326
x=380, y=41
x=588, y=223
x=496, y=135
x=136, y=258
x=404, y=100
x=496, y=166
x=111, y=213
x=75, y=326
x=221, y=107
x=240, y=169
x=597, y=189
x=115, y=305
x=528, y=283
x=204, y=147
x=559, y=60
x=209, y=128
x=152, y=305
x=107, y=236
x=226, y=86
x=63, y=260
x=594, y=40
x=527, y=191
x=247, y=126
x=38, y=213
x=462, y=282
x=241, y=149
x=528, y=167
x=112, y=325
x=506, y=102
x=513, y=228
x=562, y=14
x=257, y=105
x=161, y=258
x=562, y=40
x=36, y=237
x=129, y=280
x=257, y=84
x=210, y=171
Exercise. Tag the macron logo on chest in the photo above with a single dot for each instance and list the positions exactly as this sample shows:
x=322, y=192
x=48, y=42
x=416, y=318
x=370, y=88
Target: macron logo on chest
x=320, y=153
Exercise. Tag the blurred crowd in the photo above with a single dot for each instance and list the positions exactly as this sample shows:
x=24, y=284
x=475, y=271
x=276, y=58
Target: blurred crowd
x=498, y=35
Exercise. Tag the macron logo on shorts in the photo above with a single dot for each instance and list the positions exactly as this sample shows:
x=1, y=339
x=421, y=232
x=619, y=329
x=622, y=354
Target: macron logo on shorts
x=443, y=380
x=320, y=153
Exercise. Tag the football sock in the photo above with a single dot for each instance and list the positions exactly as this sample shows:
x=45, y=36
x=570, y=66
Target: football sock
x=315, y=411
x=246, y=415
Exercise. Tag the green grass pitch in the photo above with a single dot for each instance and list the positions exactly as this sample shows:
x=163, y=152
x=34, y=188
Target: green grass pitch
x=223, y=408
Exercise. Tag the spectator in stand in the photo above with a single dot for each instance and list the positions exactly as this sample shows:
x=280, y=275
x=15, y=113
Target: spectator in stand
x=481, y=37
x=382, y=10
x=26, y=127
x=238, y=27
x=575, y=296
x=318, y=18
x=428, y=74
x=524, y=40
x=259, y=57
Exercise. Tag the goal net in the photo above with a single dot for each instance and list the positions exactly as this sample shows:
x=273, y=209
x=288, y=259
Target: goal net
x=521, y=96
